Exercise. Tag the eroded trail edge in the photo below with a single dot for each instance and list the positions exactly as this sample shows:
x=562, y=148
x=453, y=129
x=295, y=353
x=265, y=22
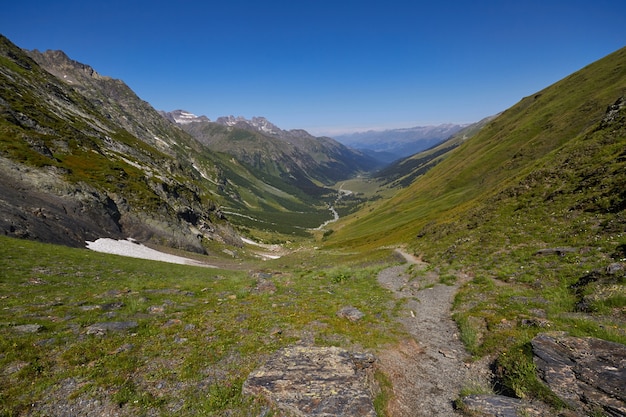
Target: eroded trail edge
x=429, y=369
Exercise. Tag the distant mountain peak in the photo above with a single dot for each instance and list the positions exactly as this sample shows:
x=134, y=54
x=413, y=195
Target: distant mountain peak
x=400, y=142
x=260, y=124
x=184, y=117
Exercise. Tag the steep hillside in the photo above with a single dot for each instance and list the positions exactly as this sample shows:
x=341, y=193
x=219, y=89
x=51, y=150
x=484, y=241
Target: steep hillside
x=294, y=157
x=503, y=153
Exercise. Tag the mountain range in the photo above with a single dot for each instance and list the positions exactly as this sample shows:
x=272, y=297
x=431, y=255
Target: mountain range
x=295, y=156
x=394, y=144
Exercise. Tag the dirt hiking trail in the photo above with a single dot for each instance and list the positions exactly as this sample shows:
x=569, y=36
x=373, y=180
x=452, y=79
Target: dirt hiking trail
x=429, y=369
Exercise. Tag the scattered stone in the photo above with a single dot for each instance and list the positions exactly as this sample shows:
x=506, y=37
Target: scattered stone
x=90, y=307
x=555, y=251
x=156, y=309
x=101, y=329
x=587, y=373
x=14, y=367
x=314, y=381
x=262, y=275
x=447, y=353
x=115, y=293
x=351, y=314
x=536, y=322
x=614, y=268
x=28, y=328
x=265, y=286
x=112, y=306
x=46, y=342
x=124, y=348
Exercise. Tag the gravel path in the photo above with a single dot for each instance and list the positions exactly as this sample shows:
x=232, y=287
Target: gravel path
x=429, y=370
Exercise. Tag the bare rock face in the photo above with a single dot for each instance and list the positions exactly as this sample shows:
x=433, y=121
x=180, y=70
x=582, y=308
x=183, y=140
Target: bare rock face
x=589, y=374
x=315, y=381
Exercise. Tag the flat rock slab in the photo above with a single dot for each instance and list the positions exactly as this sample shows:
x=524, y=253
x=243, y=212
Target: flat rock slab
x=315, y=381
x=28, y=328
x=488, y=405
x=585, y=372
x=100, y=329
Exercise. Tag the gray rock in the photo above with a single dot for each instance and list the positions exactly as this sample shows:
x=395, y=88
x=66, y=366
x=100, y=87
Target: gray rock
x=614, y=268
x=499, y=406
x=100, y=329
x=556, y=251
x=28, y=328
x=350, y=313
x=587, y=373
x=314, y=381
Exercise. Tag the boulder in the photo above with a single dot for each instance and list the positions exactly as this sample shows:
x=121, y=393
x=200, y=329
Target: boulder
x=589, y=374
x=315, y=381
x=351, y=313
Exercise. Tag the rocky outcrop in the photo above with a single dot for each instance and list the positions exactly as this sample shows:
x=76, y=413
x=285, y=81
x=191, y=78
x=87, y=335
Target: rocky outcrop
x=315, y=381
x=588, y=374
x=489, y=405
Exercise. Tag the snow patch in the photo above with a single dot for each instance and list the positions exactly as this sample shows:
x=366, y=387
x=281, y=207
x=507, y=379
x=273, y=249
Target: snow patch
x=133, y=249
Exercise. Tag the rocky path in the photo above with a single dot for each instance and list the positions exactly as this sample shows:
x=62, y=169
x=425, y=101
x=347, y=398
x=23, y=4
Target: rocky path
x=428, y=370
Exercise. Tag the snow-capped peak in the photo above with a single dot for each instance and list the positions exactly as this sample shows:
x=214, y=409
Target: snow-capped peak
x=260, y=124
x=184, y=117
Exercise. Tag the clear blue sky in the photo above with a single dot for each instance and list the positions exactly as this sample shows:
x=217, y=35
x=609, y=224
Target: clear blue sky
x=322, y=65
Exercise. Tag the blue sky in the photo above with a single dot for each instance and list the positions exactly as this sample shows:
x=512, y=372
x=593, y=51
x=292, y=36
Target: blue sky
x=327, y=66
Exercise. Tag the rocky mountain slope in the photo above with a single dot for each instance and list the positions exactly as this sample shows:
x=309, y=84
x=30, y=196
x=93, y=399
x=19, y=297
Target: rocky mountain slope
x=83, y=157
x=295, y=157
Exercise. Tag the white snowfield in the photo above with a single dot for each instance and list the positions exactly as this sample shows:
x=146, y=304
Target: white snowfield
x=134, y=249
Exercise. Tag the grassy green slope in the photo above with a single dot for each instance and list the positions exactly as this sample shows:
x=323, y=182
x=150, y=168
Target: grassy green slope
x=189, y=335
x=505, y=150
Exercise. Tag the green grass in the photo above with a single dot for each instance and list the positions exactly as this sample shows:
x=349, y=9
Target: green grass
x=199, y=331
